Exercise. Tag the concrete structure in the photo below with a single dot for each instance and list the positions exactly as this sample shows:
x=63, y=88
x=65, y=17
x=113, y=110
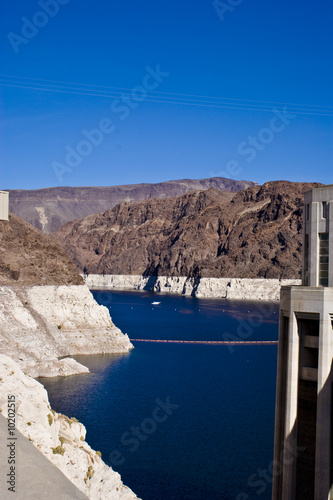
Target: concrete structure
x=4, y=205
x=318, y=225
x=303, y=448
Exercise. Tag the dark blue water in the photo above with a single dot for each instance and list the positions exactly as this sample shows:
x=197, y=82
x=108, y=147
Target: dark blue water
x=181, y=421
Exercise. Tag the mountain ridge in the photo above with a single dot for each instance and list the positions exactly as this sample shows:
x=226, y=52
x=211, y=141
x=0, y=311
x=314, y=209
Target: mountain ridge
x=50, y=208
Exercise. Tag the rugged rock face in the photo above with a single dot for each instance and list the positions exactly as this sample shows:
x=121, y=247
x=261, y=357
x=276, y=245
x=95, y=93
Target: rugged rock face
x=59, y=438
x=256, y=234
x=48, y=209
x=28, y=256
x=41, y=325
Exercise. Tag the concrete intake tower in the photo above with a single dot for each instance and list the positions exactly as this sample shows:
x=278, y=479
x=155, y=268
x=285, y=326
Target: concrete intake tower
x=303, y=445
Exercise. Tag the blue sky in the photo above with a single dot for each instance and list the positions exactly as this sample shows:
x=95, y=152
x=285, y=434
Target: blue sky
x=206, y=79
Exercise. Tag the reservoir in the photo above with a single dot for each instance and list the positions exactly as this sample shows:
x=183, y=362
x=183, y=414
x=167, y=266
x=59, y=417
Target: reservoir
x=181, y=421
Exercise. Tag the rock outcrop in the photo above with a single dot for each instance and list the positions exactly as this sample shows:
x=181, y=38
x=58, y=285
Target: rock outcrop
x=41, y=326
x=59, y=438
x=202, y=234
x=221, y=288
x=48, y=209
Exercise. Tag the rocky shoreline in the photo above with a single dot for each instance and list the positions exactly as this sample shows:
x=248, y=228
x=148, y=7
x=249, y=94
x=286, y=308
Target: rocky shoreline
x=59, y=438
x=47, y=316
x=41, y=327
x=222, y=288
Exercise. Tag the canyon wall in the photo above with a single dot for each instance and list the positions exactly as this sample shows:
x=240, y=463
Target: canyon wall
x=255, y=233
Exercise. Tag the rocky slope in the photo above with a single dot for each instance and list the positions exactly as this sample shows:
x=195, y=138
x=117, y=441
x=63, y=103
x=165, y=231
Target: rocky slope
x=48, y=209
x=59, y=438
x=256, y=234
x=46, y=311
x=27, y=256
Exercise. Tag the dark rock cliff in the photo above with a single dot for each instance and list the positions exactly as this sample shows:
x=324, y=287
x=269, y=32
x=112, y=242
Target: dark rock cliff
x=254, y=233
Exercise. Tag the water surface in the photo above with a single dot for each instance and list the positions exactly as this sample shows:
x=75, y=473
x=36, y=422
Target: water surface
x=216, y=435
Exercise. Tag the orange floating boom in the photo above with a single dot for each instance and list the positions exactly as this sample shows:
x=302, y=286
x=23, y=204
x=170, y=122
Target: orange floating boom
x=212, y=342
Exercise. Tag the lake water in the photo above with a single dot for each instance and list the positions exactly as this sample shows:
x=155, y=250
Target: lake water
x=181, y=421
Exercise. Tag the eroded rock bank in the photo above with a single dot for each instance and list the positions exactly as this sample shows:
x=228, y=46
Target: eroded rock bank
x=59, y=438
x=42, y=326
x=224, y=288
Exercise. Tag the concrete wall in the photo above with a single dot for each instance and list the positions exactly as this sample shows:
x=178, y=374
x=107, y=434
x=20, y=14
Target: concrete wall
x=296, y=371
x=4, y=205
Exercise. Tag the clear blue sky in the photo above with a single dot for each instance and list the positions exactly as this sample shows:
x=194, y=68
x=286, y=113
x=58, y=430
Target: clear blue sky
x=250, y=56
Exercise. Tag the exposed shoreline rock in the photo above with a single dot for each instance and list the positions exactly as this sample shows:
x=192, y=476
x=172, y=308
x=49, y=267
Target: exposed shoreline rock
x=59, y=438
x=42, y=326
x=222, y=288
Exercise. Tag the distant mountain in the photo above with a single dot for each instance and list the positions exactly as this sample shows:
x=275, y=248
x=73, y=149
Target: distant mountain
x=29, y=257
x=48, y=209
x=254, y=233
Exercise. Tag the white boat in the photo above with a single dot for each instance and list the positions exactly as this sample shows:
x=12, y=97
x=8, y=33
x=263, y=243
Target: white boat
x=155, y=303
